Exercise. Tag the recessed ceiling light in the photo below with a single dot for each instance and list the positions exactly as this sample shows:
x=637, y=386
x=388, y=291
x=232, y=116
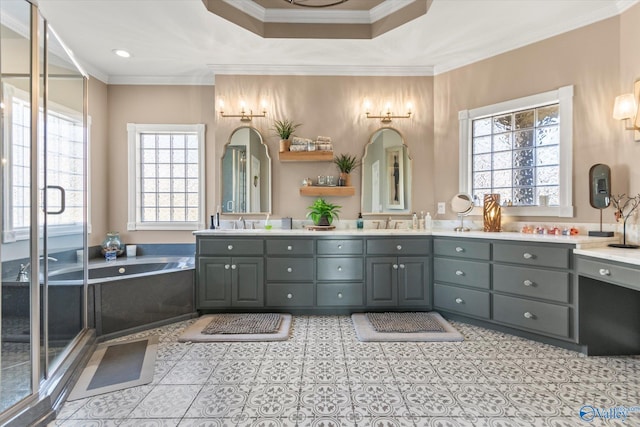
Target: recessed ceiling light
x=121, y=53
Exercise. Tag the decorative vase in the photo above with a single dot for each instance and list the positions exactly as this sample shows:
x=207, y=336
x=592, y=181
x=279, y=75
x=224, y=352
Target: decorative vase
x=492, y=213
x=113, y=243
x=323, y=221
x=284, y=145
x=346, y=178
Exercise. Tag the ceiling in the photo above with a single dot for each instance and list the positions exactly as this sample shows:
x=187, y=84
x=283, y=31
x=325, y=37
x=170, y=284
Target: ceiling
x=181, y=42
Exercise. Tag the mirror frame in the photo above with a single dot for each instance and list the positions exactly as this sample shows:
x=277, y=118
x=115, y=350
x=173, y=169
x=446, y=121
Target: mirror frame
x=221, y=181
x=409, y=191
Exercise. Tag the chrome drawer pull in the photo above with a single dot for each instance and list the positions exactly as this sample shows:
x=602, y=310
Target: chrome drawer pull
x=528, y=315
x=459, y=273
x=459, y=249
x=226, y=266
x=527, y=255
x=459, y=300
x=233, y=266
x=289, y=248
x=230, y=247
x=340, y=295
x=605, y=272
x=395, y=266
x=339, y=246
x=289, y=269
x=289, y=296
x=527, y=283
x=401, y=266
x=399, y=247
x=339, y=268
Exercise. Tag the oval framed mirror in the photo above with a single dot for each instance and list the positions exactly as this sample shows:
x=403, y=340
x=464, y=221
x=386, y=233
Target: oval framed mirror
x=462, y=205
x=245, y=177
x=386, y=174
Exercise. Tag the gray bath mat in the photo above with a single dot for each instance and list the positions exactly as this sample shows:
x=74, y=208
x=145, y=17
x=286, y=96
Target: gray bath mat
x=366, y=332
x=404, y=322
x=116, y=366
x=248, y=323
x=194, y=333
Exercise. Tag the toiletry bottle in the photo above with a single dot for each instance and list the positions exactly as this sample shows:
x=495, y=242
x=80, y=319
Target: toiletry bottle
x=360, y=221
x=428, y=224
x=414, y=221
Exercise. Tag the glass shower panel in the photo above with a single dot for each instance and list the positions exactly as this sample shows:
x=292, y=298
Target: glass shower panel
x=16, y=355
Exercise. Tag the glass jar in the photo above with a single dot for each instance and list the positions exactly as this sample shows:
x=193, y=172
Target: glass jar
x=113, y=243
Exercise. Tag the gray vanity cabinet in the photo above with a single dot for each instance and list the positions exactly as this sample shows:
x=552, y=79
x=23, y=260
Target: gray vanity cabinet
x=340, y=272
x=230, y=273
x=290, y=272
x=402, y=276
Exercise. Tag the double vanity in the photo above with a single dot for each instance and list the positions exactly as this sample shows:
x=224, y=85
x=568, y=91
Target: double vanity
x=554, y=289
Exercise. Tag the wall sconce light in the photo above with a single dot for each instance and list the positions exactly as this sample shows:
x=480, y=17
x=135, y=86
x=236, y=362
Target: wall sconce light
x=244, y=116
x=388, y=115
x=626, y=108
x=492, y=213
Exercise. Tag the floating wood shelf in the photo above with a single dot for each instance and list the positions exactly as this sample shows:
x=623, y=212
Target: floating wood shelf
x=316, y=190
x=306, y=156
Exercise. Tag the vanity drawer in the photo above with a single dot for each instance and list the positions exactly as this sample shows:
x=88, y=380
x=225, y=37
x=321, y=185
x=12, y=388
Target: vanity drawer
x=397, y=246
x=339, y=294
x=290, y=269
x=534, y=315
x=345, y=268
x=289, y=294
x=462, y=249
x=225, y=246
x=290, y=247
x=464, y=301
x=340, y=247
x=610, y=273
x=542, y=256
x=468, y=273
x=532, y=282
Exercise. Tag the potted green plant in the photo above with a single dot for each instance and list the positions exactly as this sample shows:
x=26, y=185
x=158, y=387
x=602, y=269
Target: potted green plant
x=323, y=213
x=284, y=129
x=346, y=164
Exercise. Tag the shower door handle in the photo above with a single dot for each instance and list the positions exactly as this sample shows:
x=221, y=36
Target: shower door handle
x=63, y=197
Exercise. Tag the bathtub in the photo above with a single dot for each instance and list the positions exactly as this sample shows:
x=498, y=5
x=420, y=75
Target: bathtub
x=134, y=294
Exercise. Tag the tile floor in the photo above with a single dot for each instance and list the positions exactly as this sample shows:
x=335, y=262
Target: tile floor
x=323, y=376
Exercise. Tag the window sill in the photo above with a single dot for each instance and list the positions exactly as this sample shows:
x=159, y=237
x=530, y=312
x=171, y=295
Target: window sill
x=165, y=226
x=556, y=211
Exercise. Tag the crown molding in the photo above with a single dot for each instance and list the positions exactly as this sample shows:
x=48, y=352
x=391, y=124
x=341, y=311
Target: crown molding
x=206, y=80
x=321, y=70
x=386, y=8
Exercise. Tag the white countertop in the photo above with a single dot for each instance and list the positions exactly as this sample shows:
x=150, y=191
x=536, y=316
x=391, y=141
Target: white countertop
x=628, y=256
x=580, y=241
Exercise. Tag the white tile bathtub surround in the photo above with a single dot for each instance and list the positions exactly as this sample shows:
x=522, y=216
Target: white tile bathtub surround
x=324, y=376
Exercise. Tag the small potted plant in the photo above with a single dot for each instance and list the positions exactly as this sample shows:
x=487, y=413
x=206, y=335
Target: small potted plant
x=346, y=164
x=284, y=129
x=323, y=213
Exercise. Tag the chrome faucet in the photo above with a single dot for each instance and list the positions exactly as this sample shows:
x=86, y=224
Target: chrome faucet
x=241, y=221
x=23, y=273
x=387, y=223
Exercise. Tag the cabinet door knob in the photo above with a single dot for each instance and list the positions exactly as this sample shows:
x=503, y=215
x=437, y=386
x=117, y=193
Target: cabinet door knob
x=289, y=296
x=340, y=295
x=527, y=283
x=459, y=300
x=395, y=266
x=226, y=266
x=230, y=247
x=527, y=255
x=459, y=273
x=339, y=246
x=289, y=269
x=289, y=248
x=459, y=249
x=528, y=315
x=605, y=272
x=233, y=266
x=402, y=266
x=399, y=247
x=339, y=268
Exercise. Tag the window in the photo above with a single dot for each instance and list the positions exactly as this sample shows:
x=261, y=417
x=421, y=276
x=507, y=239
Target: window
x=520, y=149
x=166, y=177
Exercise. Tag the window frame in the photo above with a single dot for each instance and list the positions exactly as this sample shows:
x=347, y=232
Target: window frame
x=564, y=97
x=134, y=130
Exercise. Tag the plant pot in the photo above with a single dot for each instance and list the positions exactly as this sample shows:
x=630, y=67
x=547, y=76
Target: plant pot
x=346, y=178
x=284, y=145
x=323, y=221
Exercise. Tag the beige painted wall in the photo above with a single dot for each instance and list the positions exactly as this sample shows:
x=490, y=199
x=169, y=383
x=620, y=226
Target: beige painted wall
x=587, y=58
x=98, y=147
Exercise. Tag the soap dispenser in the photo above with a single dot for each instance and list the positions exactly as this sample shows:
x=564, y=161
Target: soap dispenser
x=360, y=221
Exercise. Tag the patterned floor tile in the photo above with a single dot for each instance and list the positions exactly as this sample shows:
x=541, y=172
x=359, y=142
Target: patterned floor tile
x=219, y=401
x=332, y=371
x=200, y=422
x=272, y=401
x=413, y=371
x=430, y=400
x=279, y=371
x=190, y=372
x=377, y=400
x=234, y=372
x=118, y=404
x=534, y=400
x=458, y=371
x=325, y=400
x=166, y=401
x=206, y=351
x=137, y=422
x=369, y=371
